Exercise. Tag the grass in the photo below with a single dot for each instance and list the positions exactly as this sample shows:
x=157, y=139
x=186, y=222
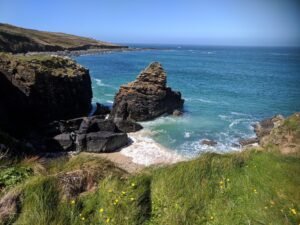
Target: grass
x=251, y=187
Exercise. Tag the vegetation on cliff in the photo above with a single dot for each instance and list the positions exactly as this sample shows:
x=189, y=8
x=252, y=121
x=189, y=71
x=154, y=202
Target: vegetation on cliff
x=20, y=40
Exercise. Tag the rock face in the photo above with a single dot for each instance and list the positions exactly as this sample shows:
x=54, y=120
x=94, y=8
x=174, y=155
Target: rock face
x=284, y=135
x=37, y=89
x=147, y=97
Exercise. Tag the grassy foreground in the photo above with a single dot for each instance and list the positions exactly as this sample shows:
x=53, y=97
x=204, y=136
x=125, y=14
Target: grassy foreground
x=251, y=187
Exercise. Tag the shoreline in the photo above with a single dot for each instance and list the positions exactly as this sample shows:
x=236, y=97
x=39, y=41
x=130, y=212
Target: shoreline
x=92, y=51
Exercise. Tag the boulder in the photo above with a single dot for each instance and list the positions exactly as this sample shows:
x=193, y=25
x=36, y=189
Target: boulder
x=66, y=141
x=101, y=110
x=147, y=97
x=39, y=89
x=104, y=141
x=209, y=142
x=127, y=126
x=250, y=141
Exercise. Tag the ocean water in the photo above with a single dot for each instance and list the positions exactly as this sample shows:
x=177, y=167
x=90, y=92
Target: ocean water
x=225, y=89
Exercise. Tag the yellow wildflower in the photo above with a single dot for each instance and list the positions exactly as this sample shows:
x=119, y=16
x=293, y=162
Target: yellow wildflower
x=211, y=217
x=132, y=184
x=80, y=214
x=107, y=220
x=294, y=211
x=221, y=182
x=228, y=180
x=73, y=202
x=132, y=199
x=266, y=207
x=82, y=218
x=101, y=210
x=123, y=193
x=254, y=190
x=109, y=191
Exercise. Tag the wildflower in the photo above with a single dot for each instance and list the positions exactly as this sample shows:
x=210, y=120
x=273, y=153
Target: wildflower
x=228, y=180
x=73, y=202
x=132, y=199
x=211, y=217
x=109, y=191
x=132, y=184
x=116, y=202
x=221, y=186
x=294, y=211
x=221, y=182
x=107, y=220
x=80, y=215
x=272, y=202
x=82, y=218
x=254, y=190
x=123, y=193
x=101, y=210
x=266, y=207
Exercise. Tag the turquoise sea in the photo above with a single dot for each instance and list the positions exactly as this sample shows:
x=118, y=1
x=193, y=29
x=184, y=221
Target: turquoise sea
x=226, y=89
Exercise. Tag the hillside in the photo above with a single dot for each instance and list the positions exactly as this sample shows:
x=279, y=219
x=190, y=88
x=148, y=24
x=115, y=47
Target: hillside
x=20, y=40
x=255, y=186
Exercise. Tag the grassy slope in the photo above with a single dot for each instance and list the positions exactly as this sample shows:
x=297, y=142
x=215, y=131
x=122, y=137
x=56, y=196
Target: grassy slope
x=51, y=38
x=251, y=187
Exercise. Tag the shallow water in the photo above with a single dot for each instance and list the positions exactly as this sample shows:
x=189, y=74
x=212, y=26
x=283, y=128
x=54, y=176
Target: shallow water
x=225, y=90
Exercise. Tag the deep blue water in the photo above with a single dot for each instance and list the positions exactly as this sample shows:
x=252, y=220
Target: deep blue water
x=225, y=89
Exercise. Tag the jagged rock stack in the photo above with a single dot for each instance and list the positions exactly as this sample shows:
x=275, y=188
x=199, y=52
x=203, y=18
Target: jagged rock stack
x=147, y=97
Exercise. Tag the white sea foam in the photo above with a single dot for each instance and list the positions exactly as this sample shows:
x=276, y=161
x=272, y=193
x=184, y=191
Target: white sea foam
x=101, y=84
x=110, y=102
x=187, y=134
x=144, y=150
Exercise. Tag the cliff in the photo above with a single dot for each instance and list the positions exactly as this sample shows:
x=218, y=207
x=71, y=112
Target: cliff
x=39, y=89
x=279, y=134
x=20, y=40
x=147, y=97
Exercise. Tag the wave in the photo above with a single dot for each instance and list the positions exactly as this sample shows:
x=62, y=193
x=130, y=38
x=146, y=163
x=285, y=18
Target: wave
x=101, y=84
x=144, y=150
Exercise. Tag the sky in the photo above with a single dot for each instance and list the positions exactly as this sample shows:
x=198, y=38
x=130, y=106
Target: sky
x=200, y=22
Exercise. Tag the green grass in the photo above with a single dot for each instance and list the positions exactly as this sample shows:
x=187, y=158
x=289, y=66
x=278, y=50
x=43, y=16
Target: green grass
x=251, y=187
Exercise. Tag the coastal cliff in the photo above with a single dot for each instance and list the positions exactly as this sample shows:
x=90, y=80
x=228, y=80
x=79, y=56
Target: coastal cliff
x=147, y=97
x=20, y=40
x=40, y=89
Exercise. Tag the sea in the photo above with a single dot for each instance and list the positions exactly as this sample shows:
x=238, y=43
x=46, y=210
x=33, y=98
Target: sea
x=226, y=90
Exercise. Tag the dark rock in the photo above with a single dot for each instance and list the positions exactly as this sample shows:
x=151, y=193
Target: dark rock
x=105, y=141
x=177, y=112
x=126, y=126
x=39, y=89
x=66, y=141
x=101, y=110
x=244, y=142
x=95, y=124
x=147, y=97
x=209, y=142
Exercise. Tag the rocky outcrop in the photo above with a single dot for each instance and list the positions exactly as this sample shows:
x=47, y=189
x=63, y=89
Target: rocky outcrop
x=147, y=97
x=264, y=127
x=284, y=135
x=89, y=134
x=209, y=142
x=38, y=89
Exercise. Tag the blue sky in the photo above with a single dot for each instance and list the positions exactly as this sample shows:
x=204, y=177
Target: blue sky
x=210, y=22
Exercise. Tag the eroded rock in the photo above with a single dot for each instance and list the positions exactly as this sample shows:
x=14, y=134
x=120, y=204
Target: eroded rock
x=147, y=97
